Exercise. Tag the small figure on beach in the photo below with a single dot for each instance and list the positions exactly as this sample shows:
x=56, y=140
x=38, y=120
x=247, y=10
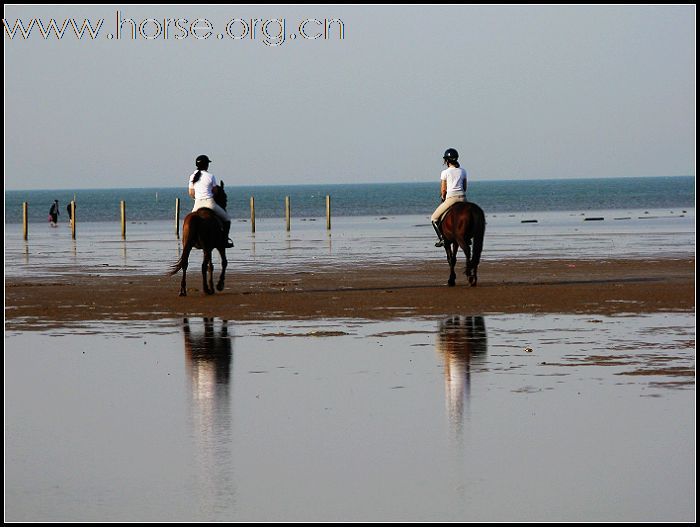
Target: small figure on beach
x=453, y=188
x=202, y=187
x=53, y=214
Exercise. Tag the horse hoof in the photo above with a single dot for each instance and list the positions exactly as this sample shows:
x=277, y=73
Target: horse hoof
x=451, y=283
x=220, y=287
x=183, y=293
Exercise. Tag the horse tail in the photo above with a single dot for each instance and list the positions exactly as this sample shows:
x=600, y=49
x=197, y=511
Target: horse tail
x=177, y=266
x=187, y=245
x=479, y=229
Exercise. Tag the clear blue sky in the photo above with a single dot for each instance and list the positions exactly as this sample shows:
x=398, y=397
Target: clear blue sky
x=522, y=92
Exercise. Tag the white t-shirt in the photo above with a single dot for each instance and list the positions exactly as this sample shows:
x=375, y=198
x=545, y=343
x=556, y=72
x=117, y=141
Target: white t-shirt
x=203, y=189
x=456, y=181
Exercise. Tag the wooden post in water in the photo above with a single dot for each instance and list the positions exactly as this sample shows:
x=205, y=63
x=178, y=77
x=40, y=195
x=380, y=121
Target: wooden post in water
x=25, y=219
x=328, y=212
x=123, y=208
x=177, y=218
x=252, y=214
x=288, y=213
x=72, y=219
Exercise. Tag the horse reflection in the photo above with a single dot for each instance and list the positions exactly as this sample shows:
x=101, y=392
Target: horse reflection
x=209, y=357
x=461, y=341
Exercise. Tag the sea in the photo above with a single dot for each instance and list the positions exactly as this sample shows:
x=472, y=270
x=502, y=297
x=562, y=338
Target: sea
x=374, y=199
x=388, y=224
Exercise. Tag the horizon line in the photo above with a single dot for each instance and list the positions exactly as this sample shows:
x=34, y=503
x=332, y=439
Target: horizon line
x=353, y=183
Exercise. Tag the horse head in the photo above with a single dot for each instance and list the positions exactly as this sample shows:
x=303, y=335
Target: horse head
x=220, y=196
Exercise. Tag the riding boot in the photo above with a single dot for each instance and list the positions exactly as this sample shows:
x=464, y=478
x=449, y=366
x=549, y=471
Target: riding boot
x=441, y=241
x=227, y=228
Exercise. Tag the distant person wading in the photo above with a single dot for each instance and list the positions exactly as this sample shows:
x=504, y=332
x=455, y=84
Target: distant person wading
x=53, y=213
x=453, y=188
x=202, y=187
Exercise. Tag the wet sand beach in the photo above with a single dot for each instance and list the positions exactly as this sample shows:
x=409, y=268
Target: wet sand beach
x=360, y=291
x=320, y=385
x=525, y=417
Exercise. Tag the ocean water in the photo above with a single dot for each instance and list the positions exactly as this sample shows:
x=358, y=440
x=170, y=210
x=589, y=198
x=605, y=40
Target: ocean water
x=151, y=247
x=309, y=201
x=591, y=219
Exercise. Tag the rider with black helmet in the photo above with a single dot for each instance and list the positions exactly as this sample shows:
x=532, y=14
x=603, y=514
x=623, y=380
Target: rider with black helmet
x=201, y=188
x=453, y=188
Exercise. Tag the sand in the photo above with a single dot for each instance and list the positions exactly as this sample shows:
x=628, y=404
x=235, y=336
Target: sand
x=607, y=287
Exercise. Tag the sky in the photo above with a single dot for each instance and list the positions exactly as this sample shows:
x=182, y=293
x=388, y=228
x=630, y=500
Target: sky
x=521, y=92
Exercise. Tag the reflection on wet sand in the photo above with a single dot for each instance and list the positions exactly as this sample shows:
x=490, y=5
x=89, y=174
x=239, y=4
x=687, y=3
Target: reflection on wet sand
x=461, y=340
x=209, y=358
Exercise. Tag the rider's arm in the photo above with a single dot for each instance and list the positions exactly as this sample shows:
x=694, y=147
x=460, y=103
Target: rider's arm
x=191, y=191
x=443, y=189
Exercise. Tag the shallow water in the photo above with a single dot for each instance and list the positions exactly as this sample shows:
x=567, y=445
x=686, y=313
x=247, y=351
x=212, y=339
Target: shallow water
x=151, y=247
x=503, y=418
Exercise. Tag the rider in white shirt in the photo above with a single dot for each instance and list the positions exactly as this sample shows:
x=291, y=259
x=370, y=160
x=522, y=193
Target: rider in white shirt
x=453, y=188
x=202, y=187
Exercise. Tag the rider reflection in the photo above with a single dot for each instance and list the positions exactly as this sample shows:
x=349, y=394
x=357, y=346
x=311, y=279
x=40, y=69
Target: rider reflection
x=209, y=357
x=461, y=341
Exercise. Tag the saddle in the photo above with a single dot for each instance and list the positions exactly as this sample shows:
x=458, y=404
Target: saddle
x=223, y=226
x=442, y=216
x=216, y=217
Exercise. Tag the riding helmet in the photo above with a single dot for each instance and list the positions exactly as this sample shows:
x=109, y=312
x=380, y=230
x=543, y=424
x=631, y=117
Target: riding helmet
x=202, y=161
x=450, y=155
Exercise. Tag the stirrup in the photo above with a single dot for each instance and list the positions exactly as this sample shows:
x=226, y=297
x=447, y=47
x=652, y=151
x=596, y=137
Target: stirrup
x=229, y=243
x=439, y=243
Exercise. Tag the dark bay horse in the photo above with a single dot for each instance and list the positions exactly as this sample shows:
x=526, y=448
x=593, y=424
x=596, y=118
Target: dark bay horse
x=463, y=223
x=202, y=230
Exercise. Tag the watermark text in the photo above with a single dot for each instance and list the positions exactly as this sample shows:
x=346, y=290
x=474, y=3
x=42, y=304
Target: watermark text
x=272, y=32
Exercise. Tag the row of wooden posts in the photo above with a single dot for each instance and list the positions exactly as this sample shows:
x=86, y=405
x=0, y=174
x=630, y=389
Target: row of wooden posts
x=122, y=206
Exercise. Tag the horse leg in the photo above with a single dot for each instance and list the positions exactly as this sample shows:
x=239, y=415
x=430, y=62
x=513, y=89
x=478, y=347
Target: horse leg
x=470, y=270
x=224, y=263
x=472, y=276
x=466, y=248
x=211, y=272
x=206, y=263
x=474, y=264
x=453, y=276
x=451, y=250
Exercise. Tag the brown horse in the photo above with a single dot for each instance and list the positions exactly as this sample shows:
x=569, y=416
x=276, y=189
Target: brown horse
x=203, y=230
x=462, y=223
